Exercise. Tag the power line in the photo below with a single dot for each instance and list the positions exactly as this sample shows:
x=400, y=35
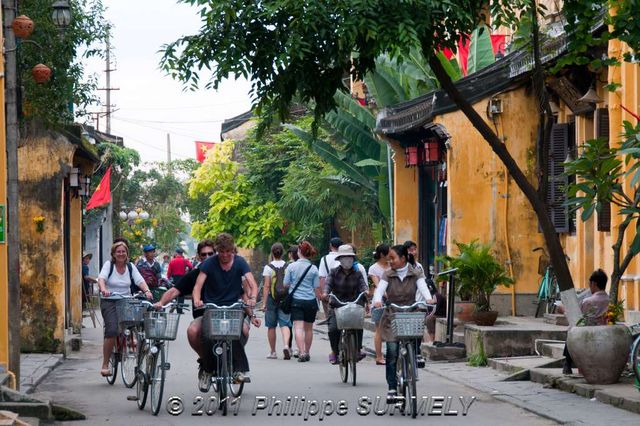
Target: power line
x=164, y=130
x=183, y=107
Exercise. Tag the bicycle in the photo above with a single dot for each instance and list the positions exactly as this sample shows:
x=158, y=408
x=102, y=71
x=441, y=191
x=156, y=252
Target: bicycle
x=350, y=319
x=548, y=291
x=160, y=327
x=407, y=328
x=125, y=351
x=634, y=356
x=223, y=325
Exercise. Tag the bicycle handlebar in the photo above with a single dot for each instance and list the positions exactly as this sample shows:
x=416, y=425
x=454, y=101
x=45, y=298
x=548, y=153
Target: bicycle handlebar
x=114, y=295
x=236, y=305
x=347, y=303
x=407, y=307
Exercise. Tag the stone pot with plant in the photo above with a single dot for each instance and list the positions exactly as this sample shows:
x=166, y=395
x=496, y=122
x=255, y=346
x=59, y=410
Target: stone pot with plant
x=479, y=274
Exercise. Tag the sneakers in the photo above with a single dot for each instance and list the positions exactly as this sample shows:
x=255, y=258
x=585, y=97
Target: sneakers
x=204, y=380
x=242, y=376
x=287, y=353
x=333, y=359
x=295, y=353
x=304, y=358
x=392, y=395
x=420, y=361
x=272, y=355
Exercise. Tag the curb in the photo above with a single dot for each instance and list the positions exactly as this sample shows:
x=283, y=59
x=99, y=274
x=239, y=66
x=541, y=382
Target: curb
x=32, y=386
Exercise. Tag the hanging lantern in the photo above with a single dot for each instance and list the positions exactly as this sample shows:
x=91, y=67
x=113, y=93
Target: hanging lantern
x=430, y=152
x=22, y=26
x=411, y=156
x=41, y=73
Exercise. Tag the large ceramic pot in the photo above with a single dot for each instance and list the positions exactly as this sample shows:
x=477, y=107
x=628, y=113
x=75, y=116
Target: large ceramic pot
x=485, y=317
x=600, y=352
x=464, y=311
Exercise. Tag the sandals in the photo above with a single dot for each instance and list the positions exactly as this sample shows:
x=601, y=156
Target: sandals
x=383, y=362
x=272, y=355
x=106, y=372
x=287, y=353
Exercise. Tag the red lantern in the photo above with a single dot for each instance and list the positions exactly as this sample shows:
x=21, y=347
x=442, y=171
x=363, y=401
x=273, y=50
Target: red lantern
x=430, y=151
x=41, y=73
x=411, y=156
x=22, y=26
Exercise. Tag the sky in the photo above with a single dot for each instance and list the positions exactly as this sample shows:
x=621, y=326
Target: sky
x=149, y=104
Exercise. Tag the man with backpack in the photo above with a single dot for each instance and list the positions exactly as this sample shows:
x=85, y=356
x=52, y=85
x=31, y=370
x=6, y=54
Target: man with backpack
x=150, y=269
x=273, y=293
x=327, y=263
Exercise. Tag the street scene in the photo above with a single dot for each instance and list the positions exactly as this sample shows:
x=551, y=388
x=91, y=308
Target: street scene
x=319, y=211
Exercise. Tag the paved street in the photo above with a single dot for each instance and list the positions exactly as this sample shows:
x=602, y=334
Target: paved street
x=76, y=383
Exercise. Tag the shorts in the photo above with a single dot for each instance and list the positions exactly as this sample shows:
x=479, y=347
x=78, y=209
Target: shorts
x=376, y=315
x=304, y=310
x=274, y=316
x=109, y=317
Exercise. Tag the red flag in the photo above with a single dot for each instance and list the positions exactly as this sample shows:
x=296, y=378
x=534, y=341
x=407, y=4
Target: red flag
x=102, y=195
x=201, y=150
x=463, y=53
x=498, y=43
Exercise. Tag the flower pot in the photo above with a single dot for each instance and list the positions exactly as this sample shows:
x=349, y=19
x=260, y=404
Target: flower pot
x=600, y=352
x=485, y=317
x=464, y=311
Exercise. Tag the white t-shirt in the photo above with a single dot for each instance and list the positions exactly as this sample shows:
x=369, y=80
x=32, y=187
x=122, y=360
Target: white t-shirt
x=268, y=272
x=330, y=261
x=118, y=282
x=376, y=270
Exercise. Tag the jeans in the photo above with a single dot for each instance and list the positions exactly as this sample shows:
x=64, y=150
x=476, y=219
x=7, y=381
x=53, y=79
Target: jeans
x=391, y=362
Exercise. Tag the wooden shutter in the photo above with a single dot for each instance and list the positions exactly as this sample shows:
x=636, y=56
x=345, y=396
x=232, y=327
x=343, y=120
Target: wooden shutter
x=602, y=131
x=556, y=193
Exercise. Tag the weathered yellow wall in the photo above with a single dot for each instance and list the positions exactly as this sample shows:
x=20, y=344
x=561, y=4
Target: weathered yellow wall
x=405, y=197
x=46, y=162
x=76, y=263
x=4, y=279
x=480, y=203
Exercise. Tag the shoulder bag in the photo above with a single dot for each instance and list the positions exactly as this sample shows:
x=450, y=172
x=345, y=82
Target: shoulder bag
x=285, y=304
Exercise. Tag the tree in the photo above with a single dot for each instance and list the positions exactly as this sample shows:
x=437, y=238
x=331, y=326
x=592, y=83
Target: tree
x=304, y=48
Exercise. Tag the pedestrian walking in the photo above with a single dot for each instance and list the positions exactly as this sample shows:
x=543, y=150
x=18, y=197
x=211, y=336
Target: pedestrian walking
x=304, y=286
x=381, y=256
x=327, y=263
x=274, y=291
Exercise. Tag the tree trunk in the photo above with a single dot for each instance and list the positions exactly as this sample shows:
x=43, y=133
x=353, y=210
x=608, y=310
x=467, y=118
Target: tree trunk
x=556, y=252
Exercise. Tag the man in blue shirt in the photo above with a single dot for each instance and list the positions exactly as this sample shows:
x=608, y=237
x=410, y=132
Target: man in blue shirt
x=223, y=280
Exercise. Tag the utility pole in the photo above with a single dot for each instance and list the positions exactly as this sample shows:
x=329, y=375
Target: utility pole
x=108, y=89
x=9, y=8
x=169, y=150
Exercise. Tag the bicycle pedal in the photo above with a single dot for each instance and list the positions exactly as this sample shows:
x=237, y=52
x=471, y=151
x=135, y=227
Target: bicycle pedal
x=166, y=366
x=132, y=398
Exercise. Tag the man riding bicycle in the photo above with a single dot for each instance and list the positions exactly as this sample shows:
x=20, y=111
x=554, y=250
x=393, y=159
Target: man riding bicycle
x=150, y=269
x=346, y=283
x=222, y=280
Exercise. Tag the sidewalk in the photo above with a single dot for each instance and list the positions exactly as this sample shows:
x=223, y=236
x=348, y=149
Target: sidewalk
x=34, y=368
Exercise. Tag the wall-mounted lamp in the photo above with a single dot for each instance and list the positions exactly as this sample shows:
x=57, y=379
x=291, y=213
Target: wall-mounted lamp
x=591, y=97
x=85, y=186
x=61, y=15
x=555, y=108
x=74, y=178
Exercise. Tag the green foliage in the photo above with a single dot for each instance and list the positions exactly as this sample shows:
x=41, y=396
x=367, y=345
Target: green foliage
x=479, y=273
x=51, y=102
x=479, y=358
x=480, y=50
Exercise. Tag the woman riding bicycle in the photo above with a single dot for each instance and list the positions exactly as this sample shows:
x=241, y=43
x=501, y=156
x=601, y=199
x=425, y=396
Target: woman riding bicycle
x=346, y=283
x=117, y=276
x=403, y=285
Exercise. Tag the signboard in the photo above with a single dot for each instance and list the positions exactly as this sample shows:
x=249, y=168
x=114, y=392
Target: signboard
x=2, y=225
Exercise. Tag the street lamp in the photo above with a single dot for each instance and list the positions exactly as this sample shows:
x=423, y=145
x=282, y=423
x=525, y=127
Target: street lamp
x=143, y=215
x=123, y=215
x=61, y=15
x=132, y=215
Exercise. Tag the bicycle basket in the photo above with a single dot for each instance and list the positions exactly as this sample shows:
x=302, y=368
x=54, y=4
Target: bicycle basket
x=161, y=325
x=129, y=312
x=407, y=324
x=222, y=324
x=350, y=317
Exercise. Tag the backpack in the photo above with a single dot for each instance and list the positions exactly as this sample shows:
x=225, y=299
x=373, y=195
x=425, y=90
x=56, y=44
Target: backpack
x=278, y=290
x=150, y=274
x=134, y=288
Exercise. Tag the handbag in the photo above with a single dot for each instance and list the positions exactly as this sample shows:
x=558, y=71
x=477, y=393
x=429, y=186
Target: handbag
x=285, y=304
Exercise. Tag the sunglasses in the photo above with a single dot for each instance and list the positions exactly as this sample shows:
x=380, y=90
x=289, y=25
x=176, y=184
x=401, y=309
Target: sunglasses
x=207, y=253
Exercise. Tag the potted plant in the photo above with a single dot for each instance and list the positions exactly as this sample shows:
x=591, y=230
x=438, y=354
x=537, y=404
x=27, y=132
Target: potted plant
x=479, y=274
x=600, y=351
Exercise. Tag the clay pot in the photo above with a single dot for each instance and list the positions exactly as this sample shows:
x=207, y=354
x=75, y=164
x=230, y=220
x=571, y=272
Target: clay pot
x=464, y=311
x=600, y=352
x=41, y=73
x=22, y=26
x=486, y=318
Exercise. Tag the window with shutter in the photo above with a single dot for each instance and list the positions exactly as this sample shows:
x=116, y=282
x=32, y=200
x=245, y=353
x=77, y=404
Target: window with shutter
x=602, y=131
x=556, y=193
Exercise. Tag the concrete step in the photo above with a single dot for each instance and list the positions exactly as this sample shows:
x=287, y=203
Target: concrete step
x=552, y=350
x=555, y=319
x=443, y=353
x=518, y=367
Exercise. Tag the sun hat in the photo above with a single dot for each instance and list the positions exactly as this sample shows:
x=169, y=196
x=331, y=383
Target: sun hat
x=345, y=250
x=87, y=253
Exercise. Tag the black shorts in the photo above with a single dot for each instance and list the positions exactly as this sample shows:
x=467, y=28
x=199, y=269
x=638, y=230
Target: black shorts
x=304, y=310
x=109, y=317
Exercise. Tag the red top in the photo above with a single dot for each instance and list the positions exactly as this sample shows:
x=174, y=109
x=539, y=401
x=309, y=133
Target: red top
x=178, y=266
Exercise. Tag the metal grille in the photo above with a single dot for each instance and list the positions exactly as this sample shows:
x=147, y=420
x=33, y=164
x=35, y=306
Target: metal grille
x=161, y=325
x=219, y=324
x=407, y=324
x=130, y=312
x=350, y=317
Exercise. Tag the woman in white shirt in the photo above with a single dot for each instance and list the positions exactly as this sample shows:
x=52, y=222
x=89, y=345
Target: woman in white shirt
x=381, y=255
x=116, y=279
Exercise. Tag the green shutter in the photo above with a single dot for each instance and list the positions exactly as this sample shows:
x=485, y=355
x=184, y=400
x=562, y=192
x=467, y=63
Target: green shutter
x=602, y=131
x=556, y=193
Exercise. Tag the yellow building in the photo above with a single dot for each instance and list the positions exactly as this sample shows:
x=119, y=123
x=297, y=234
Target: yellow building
x=469, y=195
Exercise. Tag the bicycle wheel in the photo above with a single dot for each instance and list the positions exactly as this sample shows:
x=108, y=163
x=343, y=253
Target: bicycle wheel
x=343, y=357
x=129, y=360
x=157, y=378
x=412, y=396
x=113, y=364
x=635, y=358
x=222, y=379
x=542, y=297
x=401, y=385
x=142, y=385
x=353, y=355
